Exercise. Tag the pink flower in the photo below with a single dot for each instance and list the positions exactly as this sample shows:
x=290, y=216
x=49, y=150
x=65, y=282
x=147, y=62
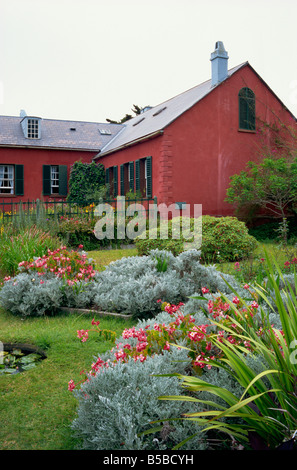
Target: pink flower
x=141, y=346
x=83, y=335
x=120, y=355
x=167, y=346
x=204, y=290
x=246, y=286
x=80, y=246
x=95, y=322
x=208, y=346
x=236, y=300
x=71, y=385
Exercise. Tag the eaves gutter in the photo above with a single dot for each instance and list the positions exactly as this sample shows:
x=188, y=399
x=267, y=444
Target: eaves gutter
x=129, y=144
x=35, y=147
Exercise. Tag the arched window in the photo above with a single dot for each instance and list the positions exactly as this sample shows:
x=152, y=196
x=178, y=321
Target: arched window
x=247, y=115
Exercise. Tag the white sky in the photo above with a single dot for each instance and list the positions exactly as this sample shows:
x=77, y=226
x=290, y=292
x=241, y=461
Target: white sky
x=90, y=60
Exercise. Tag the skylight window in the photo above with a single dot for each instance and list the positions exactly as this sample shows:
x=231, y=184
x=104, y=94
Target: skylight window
x=159, y=111
x=105, y=131
x=138, y=122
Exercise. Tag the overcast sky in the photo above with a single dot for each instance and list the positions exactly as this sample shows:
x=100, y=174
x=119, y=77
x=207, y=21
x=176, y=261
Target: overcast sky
x=89, y=60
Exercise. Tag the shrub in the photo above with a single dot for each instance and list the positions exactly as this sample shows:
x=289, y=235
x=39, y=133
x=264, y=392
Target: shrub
x=133, y=285
x=118, y=404
x=78, y=230
x=270, y=231
x=60, y=278
x=119, y=399
x=223, y=239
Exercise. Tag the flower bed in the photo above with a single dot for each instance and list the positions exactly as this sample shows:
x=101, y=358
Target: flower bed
x=174, y=342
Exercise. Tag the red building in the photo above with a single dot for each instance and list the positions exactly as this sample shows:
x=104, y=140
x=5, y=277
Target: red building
x=36, y=154
x=185, y=149
x=181, y=151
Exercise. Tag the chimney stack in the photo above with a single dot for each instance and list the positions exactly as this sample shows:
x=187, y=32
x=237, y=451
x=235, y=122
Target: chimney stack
x=219, y=64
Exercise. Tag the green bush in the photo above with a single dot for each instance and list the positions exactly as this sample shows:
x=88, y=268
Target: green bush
x=270, y=231
x=80, y=231
x=223, y=239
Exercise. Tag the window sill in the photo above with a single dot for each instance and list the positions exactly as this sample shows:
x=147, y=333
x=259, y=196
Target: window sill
x=10, y=196
x=248, y=131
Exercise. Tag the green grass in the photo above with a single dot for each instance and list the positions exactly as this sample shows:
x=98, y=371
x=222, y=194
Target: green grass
x=36, y=407
x=104, y=257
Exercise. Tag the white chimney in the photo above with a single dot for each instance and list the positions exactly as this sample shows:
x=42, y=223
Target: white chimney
x=219, y=64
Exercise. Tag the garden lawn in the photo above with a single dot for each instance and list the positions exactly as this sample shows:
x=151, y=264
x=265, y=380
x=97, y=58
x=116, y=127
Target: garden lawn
x=103, y=257
x=36, y=408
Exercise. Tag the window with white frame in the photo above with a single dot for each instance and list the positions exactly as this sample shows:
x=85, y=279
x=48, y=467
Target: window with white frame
x=6, y=179
x=55, y=179
x=32, y=130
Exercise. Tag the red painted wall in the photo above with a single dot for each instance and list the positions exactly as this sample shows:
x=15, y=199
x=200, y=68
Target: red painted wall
x=208, y=146
x=136, y=152
x=33, y=160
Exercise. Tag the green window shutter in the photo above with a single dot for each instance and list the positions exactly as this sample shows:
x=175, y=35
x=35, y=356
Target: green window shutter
x=149, y=177
x=137, y=175
x=122, y=182
x=251, y=110
x=19, y=180
x=115, y=181
x=107, y=176
x=242, y=113
x=46, y=175
x=63, y=180
x=131, y=176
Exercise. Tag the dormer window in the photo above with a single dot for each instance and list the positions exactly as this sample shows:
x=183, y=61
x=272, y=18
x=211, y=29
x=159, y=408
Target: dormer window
x=31, y=127
x=33, y=131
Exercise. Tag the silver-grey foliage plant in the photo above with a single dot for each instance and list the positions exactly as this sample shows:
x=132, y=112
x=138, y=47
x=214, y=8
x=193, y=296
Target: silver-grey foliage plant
x=131, y=285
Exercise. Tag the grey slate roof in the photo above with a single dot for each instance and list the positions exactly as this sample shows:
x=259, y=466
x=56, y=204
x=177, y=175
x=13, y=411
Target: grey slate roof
x=57, y=134
x=157, y=118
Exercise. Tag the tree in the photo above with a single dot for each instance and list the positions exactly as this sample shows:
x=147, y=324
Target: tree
x=137, y=110
x=270, y=183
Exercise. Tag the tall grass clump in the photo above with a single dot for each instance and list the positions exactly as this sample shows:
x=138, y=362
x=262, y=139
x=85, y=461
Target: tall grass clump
x=23, y=245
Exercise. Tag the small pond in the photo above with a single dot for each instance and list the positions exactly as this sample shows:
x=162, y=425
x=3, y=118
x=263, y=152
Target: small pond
x=16, y=358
